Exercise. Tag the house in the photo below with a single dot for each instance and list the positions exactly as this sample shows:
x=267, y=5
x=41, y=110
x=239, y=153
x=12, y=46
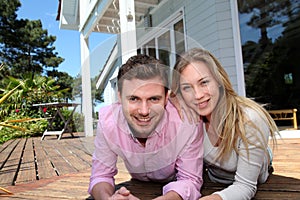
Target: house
x=161, y=28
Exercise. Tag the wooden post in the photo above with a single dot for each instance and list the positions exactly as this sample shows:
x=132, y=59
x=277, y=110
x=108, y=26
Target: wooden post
x=295, y=118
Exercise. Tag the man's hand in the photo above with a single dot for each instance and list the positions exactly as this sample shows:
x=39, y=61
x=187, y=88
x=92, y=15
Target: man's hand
x=123, y=194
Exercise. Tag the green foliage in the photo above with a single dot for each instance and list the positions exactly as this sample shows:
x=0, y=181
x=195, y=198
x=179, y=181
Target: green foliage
x=18, y=117
x=38, y=90
x=65, y=81
x=76, y=122
x=29, y=128
x=9, y=126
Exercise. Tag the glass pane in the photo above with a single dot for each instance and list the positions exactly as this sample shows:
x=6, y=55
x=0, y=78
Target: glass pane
x=164, y=48
x=179, y=37
x=150, y=48
x=270, y=36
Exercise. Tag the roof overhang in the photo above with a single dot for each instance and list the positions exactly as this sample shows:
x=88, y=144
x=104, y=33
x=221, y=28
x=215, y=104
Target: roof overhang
x=68, y=14
x=103, y=15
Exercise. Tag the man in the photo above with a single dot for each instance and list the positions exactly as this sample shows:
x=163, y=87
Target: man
x=145, y=130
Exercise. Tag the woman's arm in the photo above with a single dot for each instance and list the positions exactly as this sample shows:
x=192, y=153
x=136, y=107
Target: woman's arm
x=249, y=166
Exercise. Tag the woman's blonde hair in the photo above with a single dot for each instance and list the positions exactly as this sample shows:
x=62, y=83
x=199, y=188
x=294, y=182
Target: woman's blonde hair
x=229, y=119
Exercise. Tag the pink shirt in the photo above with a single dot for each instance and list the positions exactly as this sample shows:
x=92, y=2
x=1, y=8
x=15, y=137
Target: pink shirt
x=173, y=152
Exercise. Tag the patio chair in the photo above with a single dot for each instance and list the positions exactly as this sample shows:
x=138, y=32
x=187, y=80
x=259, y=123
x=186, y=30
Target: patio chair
x=57, y=133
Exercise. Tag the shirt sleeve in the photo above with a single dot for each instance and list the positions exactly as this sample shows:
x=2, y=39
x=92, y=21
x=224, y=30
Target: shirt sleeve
x=189, y=168
x=103, y=161
x=249, y=167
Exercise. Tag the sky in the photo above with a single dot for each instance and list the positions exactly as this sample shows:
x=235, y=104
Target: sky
x=67, y=42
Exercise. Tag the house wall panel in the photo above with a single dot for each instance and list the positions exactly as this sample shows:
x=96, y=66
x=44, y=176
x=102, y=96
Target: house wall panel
x=208, y=24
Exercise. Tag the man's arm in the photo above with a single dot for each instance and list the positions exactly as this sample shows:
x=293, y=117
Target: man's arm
x=189, y=166
x=103, y=163
x=105, y=191
x=102, y=190
x=171, y=195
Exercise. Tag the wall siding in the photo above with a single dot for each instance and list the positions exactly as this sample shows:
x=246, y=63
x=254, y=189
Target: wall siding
x=208, y=24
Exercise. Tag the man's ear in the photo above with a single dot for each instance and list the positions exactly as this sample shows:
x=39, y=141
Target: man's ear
x=167, y=97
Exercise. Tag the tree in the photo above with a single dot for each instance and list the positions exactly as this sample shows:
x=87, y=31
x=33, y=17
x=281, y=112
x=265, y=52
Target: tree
x=65, y=81
x=25, y=46
x=271, y=73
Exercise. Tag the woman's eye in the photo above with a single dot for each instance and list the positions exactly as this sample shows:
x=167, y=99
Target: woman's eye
x=205, y=82
x=186, y=88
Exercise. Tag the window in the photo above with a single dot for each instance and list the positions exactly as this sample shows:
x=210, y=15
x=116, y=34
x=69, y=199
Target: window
x=270, y=35
x=150, y=48
x=166, y=43
x=164, y=47
x=179, y=37
x=114, y=91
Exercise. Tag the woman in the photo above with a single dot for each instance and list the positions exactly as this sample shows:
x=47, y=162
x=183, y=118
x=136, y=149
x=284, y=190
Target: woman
x=236, y=128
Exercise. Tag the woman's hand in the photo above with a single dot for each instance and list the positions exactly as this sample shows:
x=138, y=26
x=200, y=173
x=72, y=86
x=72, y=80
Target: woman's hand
x=181, y=107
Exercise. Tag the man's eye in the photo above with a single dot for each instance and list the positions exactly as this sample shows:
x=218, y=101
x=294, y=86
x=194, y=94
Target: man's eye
x=132, y=99
x=155, y=99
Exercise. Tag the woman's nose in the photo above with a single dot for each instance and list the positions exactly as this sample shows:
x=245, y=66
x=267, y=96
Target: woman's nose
x=199, y=92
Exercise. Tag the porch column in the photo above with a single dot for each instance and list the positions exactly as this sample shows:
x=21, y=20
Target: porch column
x=128, y=29
x=86, y=86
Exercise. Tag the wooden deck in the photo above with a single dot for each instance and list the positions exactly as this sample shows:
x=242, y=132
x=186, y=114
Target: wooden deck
x=52, y=169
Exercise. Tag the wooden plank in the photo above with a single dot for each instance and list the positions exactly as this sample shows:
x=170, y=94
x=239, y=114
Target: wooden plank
x=27, y=170
x=44, y=166
x=62, y=166
x=7, y=149
x=84, y=159
x=266, y=195
x=278, y=186
x=77, y=147
x=277, y=182
x=10, y=168
x=71, y=158
x=6, y=145
x=143, y=190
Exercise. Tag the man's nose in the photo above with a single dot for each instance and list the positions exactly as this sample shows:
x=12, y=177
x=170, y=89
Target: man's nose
x=144, y=109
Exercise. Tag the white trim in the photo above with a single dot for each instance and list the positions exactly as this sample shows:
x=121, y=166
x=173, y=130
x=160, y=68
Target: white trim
x=237, y=48
x=162, y=2
x=165, y=26
x=161, y=28
x=94, y=13
x=107, y=68
x=128, y=29
x=86, y=86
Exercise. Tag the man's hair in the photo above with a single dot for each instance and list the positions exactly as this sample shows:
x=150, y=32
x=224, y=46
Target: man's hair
x=143, y=67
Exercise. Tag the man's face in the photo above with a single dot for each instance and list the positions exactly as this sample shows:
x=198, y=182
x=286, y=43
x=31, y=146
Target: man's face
x=143, y=103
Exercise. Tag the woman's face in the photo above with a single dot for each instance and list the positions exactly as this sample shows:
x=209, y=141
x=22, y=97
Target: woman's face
x=199, y=88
